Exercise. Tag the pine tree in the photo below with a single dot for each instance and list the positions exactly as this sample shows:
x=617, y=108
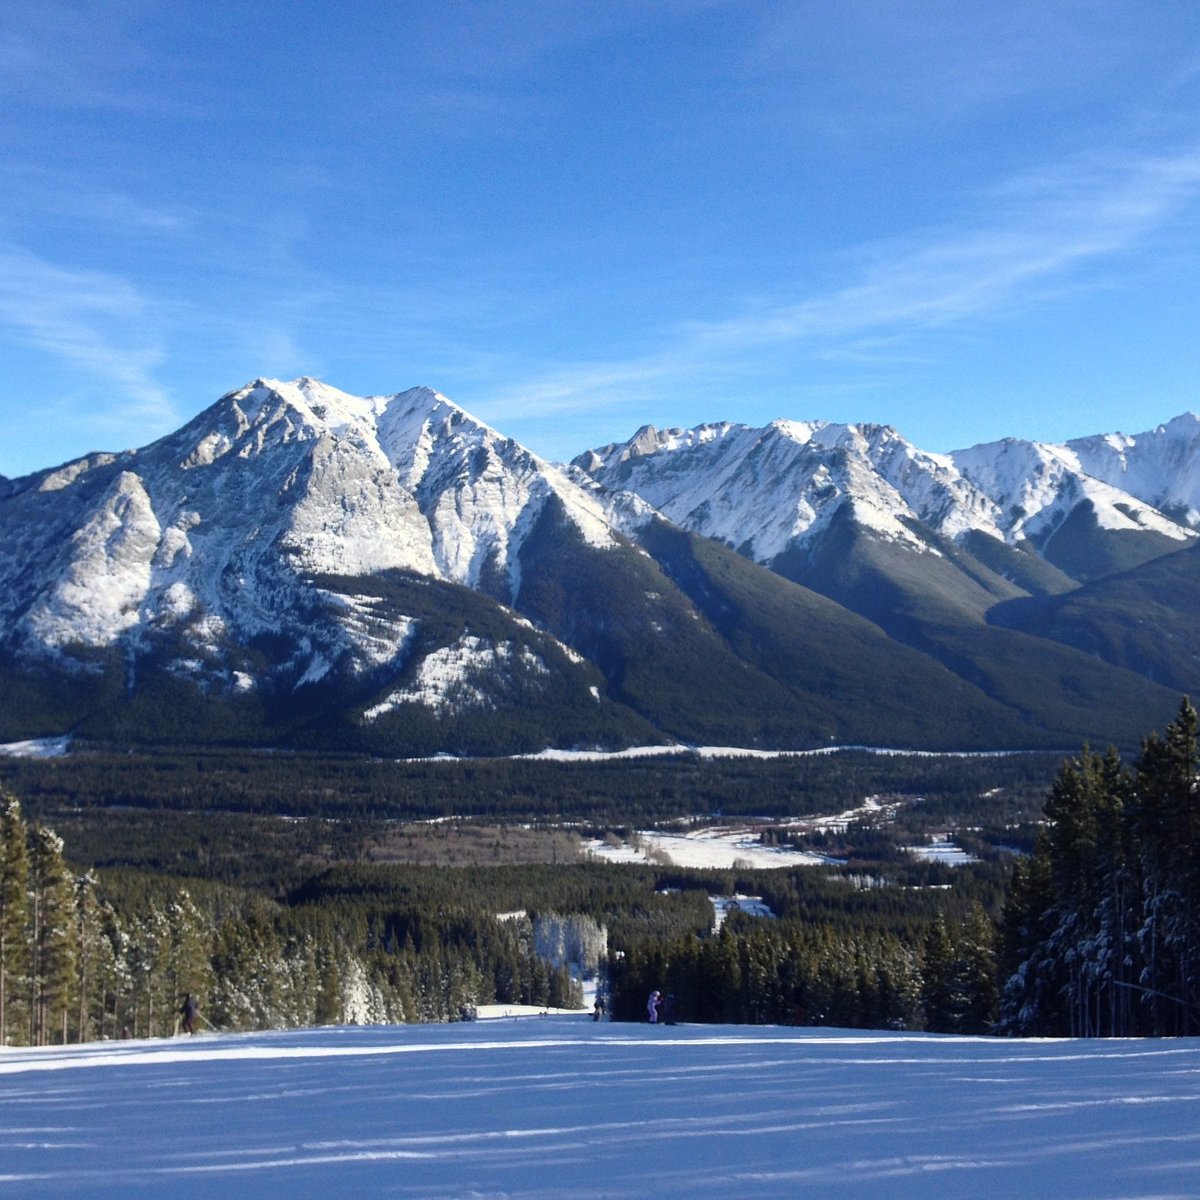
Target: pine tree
x=145, y=954
x=186, y=961
x=52, y=935
x=14, y=909
x=1166, y=823
x=89, y=941
x=113, y=985
x=1101, y=931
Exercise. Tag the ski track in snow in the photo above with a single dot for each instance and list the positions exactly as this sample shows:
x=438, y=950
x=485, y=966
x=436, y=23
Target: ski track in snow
x=560, y=1106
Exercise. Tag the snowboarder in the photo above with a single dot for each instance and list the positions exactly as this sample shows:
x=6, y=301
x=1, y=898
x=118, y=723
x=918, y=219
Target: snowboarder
x=189, y=1011
x=652, y=1006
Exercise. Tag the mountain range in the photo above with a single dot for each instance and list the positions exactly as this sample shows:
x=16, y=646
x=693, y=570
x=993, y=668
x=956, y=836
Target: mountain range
x=300, y=567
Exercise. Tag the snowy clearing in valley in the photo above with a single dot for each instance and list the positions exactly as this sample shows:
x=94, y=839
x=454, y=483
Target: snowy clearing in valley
x=728, y=846
x=719, y=847
x=941, y=849
x=55, y=747
x=562, y=1106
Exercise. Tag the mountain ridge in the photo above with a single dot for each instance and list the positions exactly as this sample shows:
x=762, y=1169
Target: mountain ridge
x=242, y=564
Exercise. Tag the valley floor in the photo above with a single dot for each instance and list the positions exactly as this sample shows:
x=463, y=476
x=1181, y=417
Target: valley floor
x=561, y=1106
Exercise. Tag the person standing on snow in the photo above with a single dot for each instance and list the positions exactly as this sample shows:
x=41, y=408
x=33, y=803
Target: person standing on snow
x=652, y=1006
x=189, y=1011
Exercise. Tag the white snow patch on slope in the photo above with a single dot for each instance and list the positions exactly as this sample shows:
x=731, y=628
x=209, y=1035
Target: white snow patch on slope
x=443, y=678
x=56, y=747
x=377, y=639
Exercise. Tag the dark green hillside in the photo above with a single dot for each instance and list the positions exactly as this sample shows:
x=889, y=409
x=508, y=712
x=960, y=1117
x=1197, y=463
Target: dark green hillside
x=852, y=680
x=37, y=702
x=1081, y=548
x=658, y=652
x=1144, y=620
x=1021, y=565
x=940, y=605
x=1063, y=694
x=899, y=590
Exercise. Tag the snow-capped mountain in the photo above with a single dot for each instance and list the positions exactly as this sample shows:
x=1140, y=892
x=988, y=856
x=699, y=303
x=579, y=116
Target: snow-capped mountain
x=298, y=565
x=216, y=529
x=272, y=544
x=1158, y=467
x=1038, y=486
x=774, y=489
x=763, y=490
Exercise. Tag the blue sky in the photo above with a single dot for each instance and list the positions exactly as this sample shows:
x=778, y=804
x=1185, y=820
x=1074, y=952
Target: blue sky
x=965, y=220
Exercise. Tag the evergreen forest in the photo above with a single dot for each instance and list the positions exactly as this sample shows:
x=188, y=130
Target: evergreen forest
x=285, y=897
x=1101, y=930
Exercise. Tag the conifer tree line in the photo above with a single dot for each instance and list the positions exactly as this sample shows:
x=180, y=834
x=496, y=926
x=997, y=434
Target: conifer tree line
x=1101, y=931
x=792, y=972
x=85, y=957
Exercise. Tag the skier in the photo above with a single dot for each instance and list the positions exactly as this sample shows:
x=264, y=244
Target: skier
x=652, y=1006
x=668, y=1009
x=189, y=1011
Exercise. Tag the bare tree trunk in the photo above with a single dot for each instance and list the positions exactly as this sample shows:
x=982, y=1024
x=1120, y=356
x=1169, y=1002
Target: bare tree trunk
x=82, y=1003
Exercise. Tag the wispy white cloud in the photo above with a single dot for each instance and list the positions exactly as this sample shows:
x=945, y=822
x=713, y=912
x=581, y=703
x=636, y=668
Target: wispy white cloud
x=1068, y=228
x=96, y=323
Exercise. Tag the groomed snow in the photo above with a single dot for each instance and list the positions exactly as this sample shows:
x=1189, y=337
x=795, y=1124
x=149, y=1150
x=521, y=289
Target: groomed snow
x=564, y=1107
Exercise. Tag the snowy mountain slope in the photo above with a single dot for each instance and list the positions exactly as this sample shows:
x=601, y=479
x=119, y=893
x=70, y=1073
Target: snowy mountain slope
x=560, y=1106
x=212, y=535
x=217, y=525
x=304, y=566
x=764, y=490
x=1053, y=500
x=776, y=489
x=923, y=545
x=1158, y=467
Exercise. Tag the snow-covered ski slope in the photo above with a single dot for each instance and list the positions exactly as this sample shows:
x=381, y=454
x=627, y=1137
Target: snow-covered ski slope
x=560, y=1106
